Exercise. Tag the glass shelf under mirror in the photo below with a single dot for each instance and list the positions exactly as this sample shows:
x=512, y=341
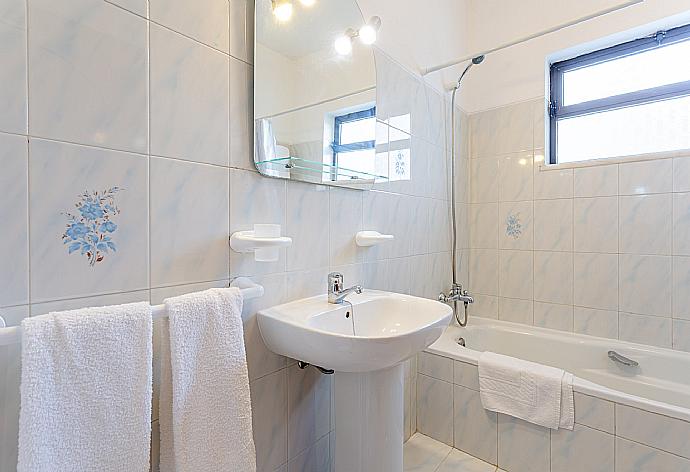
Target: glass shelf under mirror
x=317, y=172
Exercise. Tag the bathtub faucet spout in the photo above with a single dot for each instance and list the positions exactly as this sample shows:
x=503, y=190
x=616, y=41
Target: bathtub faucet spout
x=456, y=294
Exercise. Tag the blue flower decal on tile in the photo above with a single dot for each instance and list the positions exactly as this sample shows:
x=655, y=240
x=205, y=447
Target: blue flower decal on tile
x=513, y=226
x=90, y=228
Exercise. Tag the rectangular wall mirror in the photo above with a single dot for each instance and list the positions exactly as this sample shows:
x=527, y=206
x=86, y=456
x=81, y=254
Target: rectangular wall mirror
x=315, y=93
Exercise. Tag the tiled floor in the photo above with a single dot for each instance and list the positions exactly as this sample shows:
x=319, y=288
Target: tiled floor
x=423, y=454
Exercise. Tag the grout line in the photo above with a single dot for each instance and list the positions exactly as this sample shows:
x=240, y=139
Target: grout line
x=28, y=168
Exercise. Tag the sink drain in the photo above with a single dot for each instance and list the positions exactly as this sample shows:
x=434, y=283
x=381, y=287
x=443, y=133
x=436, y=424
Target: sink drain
x=461, y=341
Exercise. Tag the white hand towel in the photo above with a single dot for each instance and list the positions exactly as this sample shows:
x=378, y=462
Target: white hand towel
x=205, y=408
x=533, y=392
x=86, y=390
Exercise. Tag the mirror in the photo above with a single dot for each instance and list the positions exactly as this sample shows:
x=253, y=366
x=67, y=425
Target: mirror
x=315, y=93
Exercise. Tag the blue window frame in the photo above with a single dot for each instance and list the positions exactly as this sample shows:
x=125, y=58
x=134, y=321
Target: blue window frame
x=561, y=110
x=340, y=120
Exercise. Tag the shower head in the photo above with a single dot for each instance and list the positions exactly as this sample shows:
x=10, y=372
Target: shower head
x=475, y=60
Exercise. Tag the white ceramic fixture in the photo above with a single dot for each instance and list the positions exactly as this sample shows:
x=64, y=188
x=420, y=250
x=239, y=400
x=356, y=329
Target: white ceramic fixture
x=364, y=342
x=372, y=238
x=264, y=241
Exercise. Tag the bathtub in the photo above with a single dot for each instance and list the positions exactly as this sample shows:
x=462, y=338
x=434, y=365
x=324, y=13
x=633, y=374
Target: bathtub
x=627, y=419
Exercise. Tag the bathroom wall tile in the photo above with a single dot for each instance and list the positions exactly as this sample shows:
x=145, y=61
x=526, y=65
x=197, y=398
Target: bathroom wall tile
x=345, y=220
x=242, y=30
x=386, y=213
x=502, y=130
x=553, y=277
x=316, y=458
x=594, y=412
x=662, y=432
x=466, y=375
x=582, y=449
x=241, y=114
x=255, y=199
x=13, y=60
x=419, y=237
x=307, y=213
x=100, y=300
x=602, y=323
x=459, y=461
x=645, y=284
x=189, y=99
x=596, y=181
x=681, y=174
x=539, y=114
x=553, y=223
x=74, y=47
x=681, y=335
x=549, y=315
x=260, y=359
x=595, y=281
x=596, y=224
x=484, y=225
x=308, y=283
x=400, y=275
x=309, y=403
x=423, y=454
x=645, y=177
x=653, y=330
x=515, y=177
x=375, y=275
x=551, y=183
x=681, y=282
x=435, y=408
x=138, y=7
x=189, y=222
x=515, y=310
x=438, y=367
x=484, y=180
x=515, y=225
x=645, y=224
x=475, y=428
x=439, y=217
x=205, y=21
x=522, y=446
x=516, y=274
x=14, y=244
x=63, y=176
x=638, y=457
x=681, y=224
x=269, y=419
x=10, y=372
x=485, y=306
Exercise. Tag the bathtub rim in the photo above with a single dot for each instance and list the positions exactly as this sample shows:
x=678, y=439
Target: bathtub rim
x=442, y=347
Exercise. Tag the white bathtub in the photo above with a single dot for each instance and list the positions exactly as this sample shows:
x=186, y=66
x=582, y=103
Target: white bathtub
x=660, y=384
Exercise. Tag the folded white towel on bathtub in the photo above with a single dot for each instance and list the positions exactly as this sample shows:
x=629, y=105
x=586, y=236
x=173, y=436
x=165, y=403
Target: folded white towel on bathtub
x=533, y=392
x=205, y=409
x=86, y=390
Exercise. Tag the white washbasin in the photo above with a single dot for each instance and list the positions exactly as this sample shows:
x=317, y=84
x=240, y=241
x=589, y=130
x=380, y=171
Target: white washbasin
x=379, y=329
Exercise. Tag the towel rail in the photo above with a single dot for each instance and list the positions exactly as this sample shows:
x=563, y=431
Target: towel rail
x=249, y=289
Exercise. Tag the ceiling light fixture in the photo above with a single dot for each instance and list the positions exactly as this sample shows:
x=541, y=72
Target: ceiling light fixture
x=343, y=44
x=367, y=33
x=282, y=9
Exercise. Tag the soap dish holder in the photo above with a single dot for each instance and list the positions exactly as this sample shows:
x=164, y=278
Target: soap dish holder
x=372, y=238
x=246, y=241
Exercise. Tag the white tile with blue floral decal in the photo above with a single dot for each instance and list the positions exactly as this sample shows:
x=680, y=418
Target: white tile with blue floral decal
x=515, y=230
x=14, y=250
x=189, y=222
x=13, y=70
x=190, y=99
x=89, y=221
x=88, y=74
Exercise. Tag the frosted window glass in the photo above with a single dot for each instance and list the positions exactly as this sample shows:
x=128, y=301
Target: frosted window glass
x=358, y=131
x=653, y=127
x=661, y=66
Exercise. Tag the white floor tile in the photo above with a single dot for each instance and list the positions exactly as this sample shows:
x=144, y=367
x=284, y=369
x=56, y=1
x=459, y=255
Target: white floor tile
x=458, y=461
x=423, y=454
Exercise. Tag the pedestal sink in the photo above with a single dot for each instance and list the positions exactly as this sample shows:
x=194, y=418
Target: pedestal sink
x=364, y=341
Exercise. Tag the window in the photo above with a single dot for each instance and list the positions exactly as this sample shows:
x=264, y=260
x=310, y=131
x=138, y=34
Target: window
x=629, y=99
x=354, y=143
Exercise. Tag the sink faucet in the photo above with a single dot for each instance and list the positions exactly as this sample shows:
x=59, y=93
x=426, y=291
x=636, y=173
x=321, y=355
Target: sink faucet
x=336, y=292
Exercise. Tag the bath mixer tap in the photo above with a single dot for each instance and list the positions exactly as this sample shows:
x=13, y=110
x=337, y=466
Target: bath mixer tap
x=336, y=292
x=456, y=294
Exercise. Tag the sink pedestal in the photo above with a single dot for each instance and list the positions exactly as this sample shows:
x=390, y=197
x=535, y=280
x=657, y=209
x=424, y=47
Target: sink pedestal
x=369, y=421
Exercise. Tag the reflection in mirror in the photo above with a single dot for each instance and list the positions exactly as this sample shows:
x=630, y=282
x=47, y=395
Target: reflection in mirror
x=315, y=94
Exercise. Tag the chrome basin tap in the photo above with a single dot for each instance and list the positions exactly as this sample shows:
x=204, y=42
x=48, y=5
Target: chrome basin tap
x=336, y=292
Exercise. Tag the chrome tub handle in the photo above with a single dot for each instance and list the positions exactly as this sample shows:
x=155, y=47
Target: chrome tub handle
x=615, y=357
